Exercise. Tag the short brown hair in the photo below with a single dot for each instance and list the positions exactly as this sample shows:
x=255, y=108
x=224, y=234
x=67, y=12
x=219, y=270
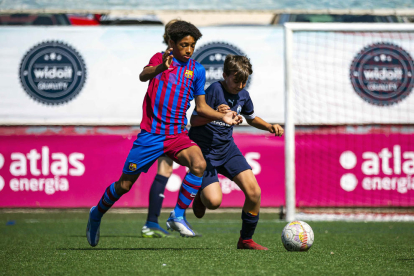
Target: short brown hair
x=167, y=26
x=240, y=65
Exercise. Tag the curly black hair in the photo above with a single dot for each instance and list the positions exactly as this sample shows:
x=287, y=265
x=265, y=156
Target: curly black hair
x=181, y=29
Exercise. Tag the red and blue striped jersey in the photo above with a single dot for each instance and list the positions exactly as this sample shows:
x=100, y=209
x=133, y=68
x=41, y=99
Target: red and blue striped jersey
x=169, y=95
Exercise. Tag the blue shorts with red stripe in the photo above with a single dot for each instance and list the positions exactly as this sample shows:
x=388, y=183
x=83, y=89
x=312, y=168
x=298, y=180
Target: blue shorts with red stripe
x=149, y=146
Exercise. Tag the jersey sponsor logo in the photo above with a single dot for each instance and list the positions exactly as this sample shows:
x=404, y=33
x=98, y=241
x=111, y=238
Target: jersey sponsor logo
x=220, y=123
x=52, y=72
x=132, y=166
x=188, y=74
x=382, y=74
x=230, y=101
x=212, y=56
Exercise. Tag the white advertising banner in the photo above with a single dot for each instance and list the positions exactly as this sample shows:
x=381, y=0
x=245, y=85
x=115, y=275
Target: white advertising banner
x=90, y=75
x=353, y=77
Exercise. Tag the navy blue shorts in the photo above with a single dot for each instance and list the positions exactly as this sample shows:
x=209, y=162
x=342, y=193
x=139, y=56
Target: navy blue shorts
x=234, y=164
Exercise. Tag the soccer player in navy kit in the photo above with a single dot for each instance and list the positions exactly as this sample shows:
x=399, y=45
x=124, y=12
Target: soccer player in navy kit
x=222, y=154
x=175, y=80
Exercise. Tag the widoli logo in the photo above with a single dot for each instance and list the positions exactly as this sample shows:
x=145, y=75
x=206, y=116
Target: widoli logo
x=212, y=56
x=382, y=74
x=52, y=72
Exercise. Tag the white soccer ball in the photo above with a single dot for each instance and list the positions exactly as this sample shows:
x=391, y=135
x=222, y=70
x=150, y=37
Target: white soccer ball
x=297, y=236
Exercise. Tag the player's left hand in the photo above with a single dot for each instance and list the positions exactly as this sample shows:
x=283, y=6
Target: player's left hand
x=276, y=129
x=223, y=108
x=240, y=119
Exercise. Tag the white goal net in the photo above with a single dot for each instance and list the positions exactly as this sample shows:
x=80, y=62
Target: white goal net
x=349, y=115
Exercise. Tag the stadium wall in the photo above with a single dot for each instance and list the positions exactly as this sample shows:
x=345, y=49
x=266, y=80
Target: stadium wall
x=55, y=78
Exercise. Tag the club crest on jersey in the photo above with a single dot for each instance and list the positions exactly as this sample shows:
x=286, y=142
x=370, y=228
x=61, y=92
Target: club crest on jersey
x=188, y=74
x=132, y=166
x=239, y=109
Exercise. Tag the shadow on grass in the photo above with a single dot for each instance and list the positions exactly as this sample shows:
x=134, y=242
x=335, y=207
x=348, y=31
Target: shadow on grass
x=109, y=236
x=144, y=249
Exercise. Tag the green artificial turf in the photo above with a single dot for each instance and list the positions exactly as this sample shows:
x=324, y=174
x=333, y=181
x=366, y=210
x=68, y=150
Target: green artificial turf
x=55, y=244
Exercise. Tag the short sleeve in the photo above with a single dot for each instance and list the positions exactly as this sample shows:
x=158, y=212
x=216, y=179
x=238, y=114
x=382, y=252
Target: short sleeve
x=199, y=81
x=248, y=108
x=211, y=96
x=155, y=60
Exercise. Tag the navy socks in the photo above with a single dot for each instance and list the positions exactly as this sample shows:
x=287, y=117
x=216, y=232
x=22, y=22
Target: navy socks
x=156, y=198
x=249, y=225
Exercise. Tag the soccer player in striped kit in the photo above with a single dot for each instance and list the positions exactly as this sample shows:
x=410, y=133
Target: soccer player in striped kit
x=175, y=80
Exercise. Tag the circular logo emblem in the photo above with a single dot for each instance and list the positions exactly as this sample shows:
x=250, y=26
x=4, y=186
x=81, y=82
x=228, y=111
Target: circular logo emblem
x=52, y=72
x=212, y=57
x=382, y=74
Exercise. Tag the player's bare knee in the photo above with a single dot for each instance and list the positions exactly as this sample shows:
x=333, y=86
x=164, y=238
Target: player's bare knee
x=198, y=166
x=254, y=193
x=169, y=172
x=122, y=187
x=213, y=203
x=166, y=172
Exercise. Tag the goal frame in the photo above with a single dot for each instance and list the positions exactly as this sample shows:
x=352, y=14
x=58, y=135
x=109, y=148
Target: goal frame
x=289, y=29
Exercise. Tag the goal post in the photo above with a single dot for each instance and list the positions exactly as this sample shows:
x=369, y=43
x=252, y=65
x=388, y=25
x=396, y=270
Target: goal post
x=349, y=115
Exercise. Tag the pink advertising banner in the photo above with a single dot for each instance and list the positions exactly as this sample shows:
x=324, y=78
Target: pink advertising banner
x=372, y=167
x=68, y=167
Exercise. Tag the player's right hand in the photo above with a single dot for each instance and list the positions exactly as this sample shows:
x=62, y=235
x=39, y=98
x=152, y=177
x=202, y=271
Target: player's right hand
x=230, y=118
x=167, y=58
x=239, y=119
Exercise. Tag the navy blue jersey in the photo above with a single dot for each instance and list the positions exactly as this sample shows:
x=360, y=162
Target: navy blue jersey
x=215, y=138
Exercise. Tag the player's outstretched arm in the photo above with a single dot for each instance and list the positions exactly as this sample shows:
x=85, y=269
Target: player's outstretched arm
x=197, y=120
x=259, y=123
x=150, y=72
x=204, y=110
